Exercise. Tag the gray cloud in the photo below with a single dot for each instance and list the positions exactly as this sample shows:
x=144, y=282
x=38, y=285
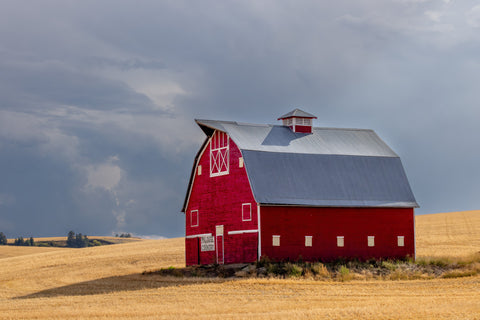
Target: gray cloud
x=97, y=100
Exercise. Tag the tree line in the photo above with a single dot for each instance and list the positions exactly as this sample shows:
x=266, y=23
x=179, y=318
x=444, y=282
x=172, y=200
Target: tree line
x=20, y=241
x=74, y=240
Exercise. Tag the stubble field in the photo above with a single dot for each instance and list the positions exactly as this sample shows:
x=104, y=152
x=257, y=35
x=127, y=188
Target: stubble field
x=107, y=283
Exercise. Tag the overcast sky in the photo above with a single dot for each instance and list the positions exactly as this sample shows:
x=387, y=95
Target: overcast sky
x=98, y=98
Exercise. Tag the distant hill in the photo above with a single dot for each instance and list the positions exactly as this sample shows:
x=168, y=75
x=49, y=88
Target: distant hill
x=448, y=234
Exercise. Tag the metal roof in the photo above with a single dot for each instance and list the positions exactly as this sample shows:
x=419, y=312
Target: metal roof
x=327, y=180
x=272, y=138
x=298, y=113
x=329, y=167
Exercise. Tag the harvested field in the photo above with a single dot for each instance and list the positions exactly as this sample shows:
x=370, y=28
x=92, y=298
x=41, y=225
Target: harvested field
x=107, y=283
x=453, y=234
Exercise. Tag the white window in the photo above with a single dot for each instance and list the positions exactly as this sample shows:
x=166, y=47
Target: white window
x=276, y=241
x=401, y=241
x=219, y=154
x=371, y=241
x=308, y=241
x=194, y=218
x=240, y=162
x=199, y=170
x=246, y=212
x=303, y=122
x=340, y=241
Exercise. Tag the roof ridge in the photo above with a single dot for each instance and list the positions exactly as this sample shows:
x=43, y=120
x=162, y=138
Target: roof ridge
x=279, y=125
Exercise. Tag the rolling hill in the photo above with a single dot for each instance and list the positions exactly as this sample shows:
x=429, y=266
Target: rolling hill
x=107, y=283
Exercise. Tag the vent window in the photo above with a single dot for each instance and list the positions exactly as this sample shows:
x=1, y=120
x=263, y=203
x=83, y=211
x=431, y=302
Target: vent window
x=308, y=241
x=194, y=218
x=371, y=241
x=246, y=212
x=340, y=241
x=276, y=241
x=401, y=241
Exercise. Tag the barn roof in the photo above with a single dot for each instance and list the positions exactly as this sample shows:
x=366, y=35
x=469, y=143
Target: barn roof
x=298, y=113
x=329, y=167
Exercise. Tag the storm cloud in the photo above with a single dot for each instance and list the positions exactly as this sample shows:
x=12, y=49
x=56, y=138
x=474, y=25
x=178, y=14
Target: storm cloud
x=97, y=99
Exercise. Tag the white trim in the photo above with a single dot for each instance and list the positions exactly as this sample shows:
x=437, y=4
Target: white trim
x=199, y=170
x=242, y=231
x=259, y=233
x=219, y=233
x=219, y=230
x=250, y=205
x=191, y=218
x=414, y=237
x=194, y=175
x=198, y=235
x=240, y=162
x=222, y=155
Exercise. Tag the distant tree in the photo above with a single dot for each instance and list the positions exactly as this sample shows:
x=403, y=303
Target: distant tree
x=3, y=239
x=85, y=241
x=31, y=241
x=77, y=240
x=125, y=235
x=19, y=241
x=71, y=239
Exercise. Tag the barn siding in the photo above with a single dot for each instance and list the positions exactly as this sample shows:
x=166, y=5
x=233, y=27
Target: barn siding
x=325, y=224
x=219, y=201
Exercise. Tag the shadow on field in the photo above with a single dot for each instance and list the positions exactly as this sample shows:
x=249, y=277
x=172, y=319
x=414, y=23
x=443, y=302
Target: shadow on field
x=131, y=282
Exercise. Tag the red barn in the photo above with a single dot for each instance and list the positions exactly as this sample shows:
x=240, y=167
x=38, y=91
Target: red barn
x=290, y=191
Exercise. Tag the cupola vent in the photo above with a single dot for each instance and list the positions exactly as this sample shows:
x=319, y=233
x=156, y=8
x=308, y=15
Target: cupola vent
x=298, y=121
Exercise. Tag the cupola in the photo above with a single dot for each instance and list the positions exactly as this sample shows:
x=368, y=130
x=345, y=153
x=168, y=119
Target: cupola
x=298, y=121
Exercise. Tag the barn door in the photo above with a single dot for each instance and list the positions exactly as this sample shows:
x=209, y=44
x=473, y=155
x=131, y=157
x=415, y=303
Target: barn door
x=219, y=244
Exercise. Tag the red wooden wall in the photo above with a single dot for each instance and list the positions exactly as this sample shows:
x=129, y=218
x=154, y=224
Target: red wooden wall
x=219, y=200
x=292, y=224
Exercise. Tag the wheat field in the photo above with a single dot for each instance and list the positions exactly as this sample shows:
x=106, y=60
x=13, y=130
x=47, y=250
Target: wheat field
x=107, y=283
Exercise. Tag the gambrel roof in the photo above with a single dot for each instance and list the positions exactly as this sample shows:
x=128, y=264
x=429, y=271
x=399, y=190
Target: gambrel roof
x=329, y=167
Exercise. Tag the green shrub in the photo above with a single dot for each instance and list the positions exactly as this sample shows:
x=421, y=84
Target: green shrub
x=293, y=270
x=344, y=274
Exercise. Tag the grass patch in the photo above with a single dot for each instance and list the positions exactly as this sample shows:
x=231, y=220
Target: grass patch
x=339, y=270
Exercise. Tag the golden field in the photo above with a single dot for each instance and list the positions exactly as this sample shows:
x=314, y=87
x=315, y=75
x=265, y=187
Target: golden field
x=107, y=283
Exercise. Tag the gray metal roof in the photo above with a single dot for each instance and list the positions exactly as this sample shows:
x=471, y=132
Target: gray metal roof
x=271, y=138
x=328, y=168
x=297, y=113
x=327, y=180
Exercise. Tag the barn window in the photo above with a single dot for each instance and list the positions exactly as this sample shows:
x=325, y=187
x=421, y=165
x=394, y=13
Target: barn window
x=276, y=241
x=340, y=241
x=240, y=162
x=401, y=241
x=246, y=212
x=371, y=241
x=194, y=218
x=308, y=241
x=199, y=170
x=219, y=154
x=288, y=122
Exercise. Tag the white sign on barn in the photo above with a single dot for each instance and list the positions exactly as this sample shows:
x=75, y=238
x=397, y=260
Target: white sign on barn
x=208, y=243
